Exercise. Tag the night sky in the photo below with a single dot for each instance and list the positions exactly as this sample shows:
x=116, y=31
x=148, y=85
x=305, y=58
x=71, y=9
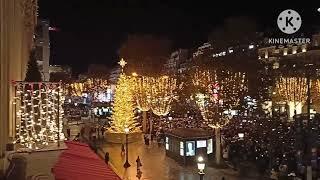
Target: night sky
x=92, y=31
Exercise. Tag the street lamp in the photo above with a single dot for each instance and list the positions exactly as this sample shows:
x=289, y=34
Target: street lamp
x=201, y=166
x=241, y=135
x=126, y=164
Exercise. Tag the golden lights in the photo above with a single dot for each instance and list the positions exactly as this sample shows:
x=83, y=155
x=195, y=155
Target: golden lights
x=123, y=106
x=36, y=113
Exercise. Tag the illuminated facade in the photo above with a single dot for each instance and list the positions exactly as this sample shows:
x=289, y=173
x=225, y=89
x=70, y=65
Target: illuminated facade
x=17, y=21
x=290, y=60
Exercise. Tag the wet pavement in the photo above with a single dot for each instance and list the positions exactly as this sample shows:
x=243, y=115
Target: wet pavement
x=156, y=166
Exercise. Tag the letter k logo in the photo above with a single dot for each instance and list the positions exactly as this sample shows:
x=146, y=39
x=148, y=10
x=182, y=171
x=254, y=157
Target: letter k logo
x=288, y=21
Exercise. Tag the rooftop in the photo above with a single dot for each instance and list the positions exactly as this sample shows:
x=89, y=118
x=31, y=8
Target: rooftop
x=190, y=133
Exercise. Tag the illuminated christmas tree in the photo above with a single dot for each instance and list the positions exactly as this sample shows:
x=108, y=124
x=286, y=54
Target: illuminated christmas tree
x=123, y=106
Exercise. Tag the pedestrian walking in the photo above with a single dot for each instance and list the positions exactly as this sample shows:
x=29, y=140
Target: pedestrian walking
x=68, y=133
x=122, y=150
x=138, y=161
x=98, y=131
x=102, y=132
x=106, y=158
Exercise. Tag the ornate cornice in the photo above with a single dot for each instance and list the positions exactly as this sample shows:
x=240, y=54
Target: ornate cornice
x=29, y=11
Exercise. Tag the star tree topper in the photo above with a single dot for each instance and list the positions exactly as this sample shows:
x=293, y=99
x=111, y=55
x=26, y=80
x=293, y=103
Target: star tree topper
x=122, y=63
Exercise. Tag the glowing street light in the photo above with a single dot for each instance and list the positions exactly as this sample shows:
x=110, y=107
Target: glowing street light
x=201, y=166
x=134, y=74
x=241, y=135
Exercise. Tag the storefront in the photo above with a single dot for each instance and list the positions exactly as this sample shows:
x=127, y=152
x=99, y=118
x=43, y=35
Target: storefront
x=185, y=144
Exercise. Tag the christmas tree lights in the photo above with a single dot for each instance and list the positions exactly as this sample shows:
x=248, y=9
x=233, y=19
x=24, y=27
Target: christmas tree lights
x=123, y=106
x=36, y=105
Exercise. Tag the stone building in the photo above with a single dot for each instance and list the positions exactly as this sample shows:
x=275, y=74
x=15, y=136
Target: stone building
x=17, y=22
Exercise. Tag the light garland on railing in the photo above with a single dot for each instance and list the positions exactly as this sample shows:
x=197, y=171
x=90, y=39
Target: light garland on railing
x=162, y=94
x=36, y=106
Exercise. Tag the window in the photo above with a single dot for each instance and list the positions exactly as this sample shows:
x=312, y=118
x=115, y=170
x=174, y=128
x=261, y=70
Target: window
x=167, y=143
x=201, y=143
x=209, y=147
x=181, y=148
x=190, y=148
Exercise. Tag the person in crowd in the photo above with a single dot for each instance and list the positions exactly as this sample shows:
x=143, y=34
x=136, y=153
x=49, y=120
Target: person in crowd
x=68, y=132
x=102, y=132
x=139, y=164
x=106, y=158
x=122, y=150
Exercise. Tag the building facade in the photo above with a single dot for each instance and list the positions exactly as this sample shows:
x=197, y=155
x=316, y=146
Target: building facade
x=290, y=60
x=114, y=75
x=176, y=63
x=17, y=21
x=42, y=48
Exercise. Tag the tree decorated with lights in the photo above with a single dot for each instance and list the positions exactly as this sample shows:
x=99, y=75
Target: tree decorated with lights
x=123, y=106
x=162, y=94
x=292, y=90
x=222, y=91
x=142, y=95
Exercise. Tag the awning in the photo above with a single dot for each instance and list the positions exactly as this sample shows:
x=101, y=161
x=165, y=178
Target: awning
x=79, y=162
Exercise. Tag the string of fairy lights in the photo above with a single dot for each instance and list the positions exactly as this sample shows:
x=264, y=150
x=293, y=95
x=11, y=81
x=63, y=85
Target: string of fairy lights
x=155, y=93
x=162, y=94
x=292, y=89
x=123, y=106
x=95, y=86
x=36, y=113
x=142, y=95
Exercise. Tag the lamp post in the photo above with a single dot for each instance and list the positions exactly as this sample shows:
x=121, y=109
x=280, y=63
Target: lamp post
x=201, y=166
x=126, y=164
x=241, y=136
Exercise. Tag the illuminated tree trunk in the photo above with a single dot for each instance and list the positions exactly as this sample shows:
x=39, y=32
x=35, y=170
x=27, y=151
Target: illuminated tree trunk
x=218, y=145
x=144, y=121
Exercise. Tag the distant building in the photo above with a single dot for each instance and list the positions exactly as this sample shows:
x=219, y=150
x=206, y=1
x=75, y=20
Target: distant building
x=202, y=49
x=290, y=59
x=17, y=21
x=114, y=75
x=42, y=48
x=60, y=69
x=177, y=62
x=99, y=70
x=295, y=54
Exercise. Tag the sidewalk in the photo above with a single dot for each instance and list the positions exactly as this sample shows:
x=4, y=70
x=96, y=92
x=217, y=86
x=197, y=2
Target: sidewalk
x=156, y=166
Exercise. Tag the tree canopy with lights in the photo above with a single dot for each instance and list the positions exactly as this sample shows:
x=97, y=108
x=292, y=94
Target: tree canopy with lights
x=162, y=94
